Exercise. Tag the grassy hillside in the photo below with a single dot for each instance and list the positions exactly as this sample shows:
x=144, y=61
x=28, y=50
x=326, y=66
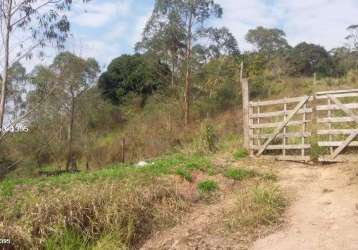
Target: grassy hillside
x=119, y=206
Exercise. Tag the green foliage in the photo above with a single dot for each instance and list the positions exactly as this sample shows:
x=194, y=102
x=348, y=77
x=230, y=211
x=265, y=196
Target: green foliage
x=307, y=59
x=67, y=240
x=216, y=85
x=315, y=150
x=207, y=186
x=6, y=188
x=162, y=166
x=267, y=40
x=255, y=64
x=184, y=174
x=240, y=154
x=136, y=74
x=209, y=137
x=240, y=173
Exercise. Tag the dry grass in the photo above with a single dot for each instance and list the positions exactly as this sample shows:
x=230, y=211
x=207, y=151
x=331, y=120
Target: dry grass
x=260, y=205
x=90, y=215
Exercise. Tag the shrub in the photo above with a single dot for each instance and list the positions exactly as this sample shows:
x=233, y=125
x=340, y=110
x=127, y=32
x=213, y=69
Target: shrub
x=240, y=174
x=184, y=174
x=240, y=154
x=209, y=137
x=207, y=186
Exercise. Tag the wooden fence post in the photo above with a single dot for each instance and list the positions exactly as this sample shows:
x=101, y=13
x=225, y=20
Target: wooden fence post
x=123, y=150
x=245, y=112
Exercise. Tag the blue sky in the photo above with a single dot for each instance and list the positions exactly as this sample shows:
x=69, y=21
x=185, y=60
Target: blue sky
x=104, y=29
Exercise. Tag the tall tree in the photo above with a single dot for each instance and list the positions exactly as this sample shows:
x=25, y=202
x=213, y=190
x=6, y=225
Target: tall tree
x=191, y=17
x=66, y=81
x=26, y=25
x=352, y=38
x=137, y=74
x=266, y=40
x=308, y=59
x=163, y=37
x=220, y=42
x=17, y=90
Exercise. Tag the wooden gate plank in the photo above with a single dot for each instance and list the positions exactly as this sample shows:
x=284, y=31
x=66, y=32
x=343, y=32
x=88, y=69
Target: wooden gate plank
x=283, y=124
x=345, y=109
x=344, y=145
x=353, y=135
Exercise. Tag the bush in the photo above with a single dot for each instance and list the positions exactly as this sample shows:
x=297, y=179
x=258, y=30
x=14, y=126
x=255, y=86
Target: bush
x=209, y=137
x=207, y=186
x=240, y=174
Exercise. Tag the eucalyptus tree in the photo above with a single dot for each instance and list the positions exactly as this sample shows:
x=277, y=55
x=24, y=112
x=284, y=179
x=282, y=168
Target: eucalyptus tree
x=188, y=19
x=218, y=42
x=26, y=25
x=65, y=82
x=16, y=101
x=267, y=41
x=352, y=38
x=163, y=37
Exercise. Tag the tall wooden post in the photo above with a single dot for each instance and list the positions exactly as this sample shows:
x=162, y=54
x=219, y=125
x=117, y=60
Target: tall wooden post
x=245, y=112
x=123, y=150
x=314, y=117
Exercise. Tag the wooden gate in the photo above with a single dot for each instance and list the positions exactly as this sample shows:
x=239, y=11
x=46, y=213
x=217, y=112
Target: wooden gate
x=338, y=124
x=289, y=128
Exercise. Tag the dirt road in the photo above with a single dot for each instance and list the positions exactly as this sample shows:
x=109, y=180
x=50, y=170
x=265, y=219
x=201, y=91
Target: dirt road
x=323, y=214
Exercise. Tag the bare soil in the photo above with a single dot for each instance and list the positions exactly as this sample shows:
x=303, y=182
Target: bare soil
x=324, y=212
x=322, y=215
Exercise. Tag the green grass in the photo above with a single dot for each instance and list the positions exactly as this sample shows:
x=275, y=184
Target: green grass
x=7, y=187
x=68, y=240
x=161, y=166
x=207, y=186
x=240, y=154
x=240, y=174
x=184, y=174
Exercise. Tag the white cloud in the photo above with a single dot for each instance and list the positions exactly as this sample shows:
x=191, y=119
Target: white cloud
x=317, y=21
x=95, y=14
x=106, y=28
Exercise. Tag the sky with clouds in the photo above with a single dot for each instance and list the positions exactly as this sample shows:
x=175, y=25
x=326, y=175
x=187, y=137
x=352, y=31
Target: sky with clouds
x=105, y=29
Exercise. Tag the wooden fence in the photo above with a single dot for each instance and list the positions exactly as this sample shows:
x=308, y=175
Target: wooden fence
x=297, y=128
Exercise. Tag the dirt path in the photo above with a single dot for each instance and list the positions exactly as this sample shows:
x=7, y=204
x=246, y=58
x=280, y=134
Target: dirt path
x=324, y=214
x=193, y=232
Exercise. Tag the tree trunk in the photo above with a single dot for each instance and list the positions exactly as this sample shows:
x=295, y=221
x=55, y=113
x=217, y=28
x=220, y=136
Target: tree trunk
x=5, y=74
x=70, y=159
x=188, y=72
